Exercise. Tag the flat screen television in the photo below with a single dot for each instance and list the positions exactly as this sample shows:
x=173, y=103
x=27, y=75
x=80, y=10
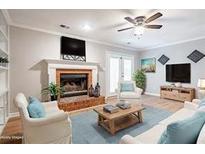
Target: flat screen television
x=71, y=46
x=178, y=73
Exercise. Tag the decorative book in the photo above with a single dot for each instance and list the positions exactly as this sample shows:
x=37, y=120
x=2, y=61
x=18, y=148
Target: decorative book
x=123, y=105
x=110, y=108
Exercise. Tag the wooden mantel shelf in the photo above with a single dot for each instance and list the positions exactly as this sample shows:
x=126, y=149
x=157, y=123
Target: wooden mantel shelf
x=54, y=61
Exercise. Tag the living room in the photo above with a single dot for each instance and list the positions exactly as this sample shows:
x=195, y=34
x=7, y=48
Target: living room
x=128, y=78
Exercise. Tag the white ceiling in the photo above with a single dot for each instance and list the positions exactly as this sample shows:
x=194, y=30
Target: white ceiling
x=178, y=25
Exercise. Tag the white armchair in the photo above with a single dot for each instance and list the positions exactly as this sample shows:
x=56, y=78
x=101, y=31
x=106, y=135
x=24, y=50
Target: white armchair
x=126, y=95
x=54, y=128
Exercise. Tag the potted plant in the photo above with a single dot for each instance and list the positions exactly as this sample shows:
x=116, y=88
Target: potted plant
x=140, y=78
x=53, y=90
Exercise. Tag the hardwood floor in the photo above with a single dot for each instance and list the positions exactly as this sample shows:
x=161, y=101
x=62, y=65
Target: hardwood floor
x=12, y=132
x=166, y=104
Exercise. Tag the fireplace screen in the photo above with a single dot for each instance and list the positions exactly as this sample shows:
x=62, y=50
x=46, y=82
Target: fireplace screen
x=74, y=84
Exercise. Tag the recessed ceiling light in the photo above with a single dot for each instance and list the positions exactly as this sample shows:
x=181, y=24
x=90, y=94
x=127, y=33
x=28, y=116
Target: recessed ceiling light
x=64, y=26
x=86, y=27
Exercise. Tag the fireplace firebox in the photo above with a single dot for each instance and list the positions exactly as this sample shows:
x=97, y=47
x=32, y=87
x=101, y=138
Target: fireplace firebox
x=74, y=82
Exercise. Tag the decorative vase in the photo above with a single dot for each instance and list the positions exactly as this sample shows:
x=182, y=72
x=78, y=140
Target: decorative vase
x=97, y=90
x=91, y=91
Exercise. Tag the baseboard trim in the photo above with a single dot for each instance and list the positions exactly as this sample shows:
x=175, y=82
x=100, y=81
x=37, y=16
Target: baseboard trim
x=14, y=114
x=152, y=94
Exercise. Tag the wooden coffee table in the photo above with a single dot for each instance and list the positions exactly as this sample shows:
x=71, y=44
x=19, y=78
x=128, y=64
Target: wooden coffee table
x=121, y=119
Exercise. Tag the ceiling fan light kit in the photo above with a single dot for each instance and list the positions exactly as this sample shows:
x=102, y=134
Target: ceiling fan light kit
x=140, y=23
x=138, y=30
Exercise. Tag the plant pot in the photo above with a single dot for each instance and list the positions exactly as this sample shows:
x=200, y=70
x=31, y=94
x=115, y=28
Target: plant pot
x=53, y=98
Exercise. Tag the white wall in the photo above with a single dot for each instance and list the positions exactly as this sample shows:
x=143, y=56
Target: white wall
x=28, y=47
x=177, y=54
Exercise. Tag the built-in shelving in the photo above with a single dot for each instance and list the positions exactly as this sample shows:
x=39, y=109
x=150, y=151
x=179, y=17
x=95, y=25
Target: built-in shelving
x=3, y=36
x=4, y=70
x=2, y=92
x=3, y=51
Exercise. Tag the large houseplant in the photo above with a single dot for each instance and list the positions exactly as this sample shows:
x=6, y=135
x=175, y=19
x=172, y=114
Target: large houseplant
x=53, y=90
x=140, y=78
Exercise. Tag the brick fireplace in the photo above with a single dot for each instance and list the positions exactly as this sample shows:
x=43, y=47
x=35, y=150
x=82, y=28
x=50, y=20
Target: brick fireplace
x=75, y=82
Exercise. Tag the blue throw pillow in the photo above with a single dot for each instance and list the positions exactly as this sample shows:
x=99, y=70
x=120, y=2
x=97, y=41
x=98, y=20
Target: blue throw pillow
x=35, y=108
x=184, y=131
x=127, y=87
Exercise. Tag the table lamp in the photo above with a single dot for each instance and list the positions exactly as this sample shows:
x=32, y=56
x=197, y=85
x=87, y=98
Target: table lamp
x=201, y=86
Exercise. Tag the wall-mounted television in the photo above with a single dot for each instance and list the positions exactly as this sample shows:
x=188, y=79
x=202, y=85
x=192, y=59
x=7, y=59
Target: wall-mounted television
x=73, y=49
x=178, y=73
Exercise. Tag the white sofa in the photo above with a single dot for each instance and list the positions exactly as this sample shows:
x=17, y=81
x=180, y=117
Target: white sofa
x=127, y=95
x=153, y=135
x=54, y=128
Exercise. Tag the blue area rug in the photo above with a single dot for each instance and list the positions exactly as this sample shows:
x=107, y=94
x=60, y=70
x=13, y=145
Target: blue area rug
x=85, y=129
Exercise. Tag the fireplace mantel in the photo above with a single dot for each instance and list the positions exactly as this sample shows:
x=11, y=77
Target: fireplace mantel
x=67, y=62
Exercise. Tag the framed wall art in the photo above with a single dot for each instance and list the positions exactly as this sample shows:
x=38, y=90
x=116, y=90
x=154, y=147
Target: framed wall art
x=148, y=65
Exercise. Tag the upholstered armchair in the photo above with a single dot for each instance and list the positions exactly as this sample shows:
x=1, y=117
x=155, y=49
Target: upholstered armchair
x=128, y=90
x=54, y=128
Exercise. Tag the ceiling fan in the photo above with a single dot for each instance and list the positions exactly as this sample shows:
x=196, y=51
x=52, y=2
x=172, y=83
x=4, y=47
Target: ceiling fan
x=141, y=22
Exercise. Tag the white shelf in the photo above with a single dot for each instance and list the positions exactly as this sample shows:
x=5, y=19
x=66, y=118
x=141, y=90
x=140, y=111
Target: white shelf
x=54, y=61
x=2, y=92
x=3, y=51
x=4, y=84
x=2, y=68
x=3, y=36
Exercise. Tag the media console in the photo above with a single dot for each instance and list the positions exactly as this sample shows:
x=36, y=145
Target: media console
x=177, y=93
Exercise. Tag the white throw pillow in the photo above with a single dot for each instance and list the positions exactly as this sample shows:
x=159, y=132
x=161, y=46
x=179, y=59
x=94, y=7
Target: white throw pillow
x=201, y=137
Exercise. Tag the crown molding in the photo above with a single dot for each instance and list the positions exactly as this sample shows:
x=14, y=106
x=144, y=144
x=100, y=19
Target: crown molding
x=73, y=36
x=105, y=43
x=173, y=43
x=102, y=42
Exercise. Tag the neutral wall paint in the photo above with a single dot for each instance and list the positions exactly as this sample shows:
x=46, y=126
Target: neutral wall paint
x=177, y=54
x=28, y=47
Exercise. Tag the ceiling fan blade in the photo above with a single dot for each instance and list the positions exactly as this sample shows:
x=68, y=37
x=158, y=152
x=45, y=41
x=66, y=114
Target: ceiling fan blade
x=153, y=26
x=130, y=20
x=154, y=17
x=124, y=29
